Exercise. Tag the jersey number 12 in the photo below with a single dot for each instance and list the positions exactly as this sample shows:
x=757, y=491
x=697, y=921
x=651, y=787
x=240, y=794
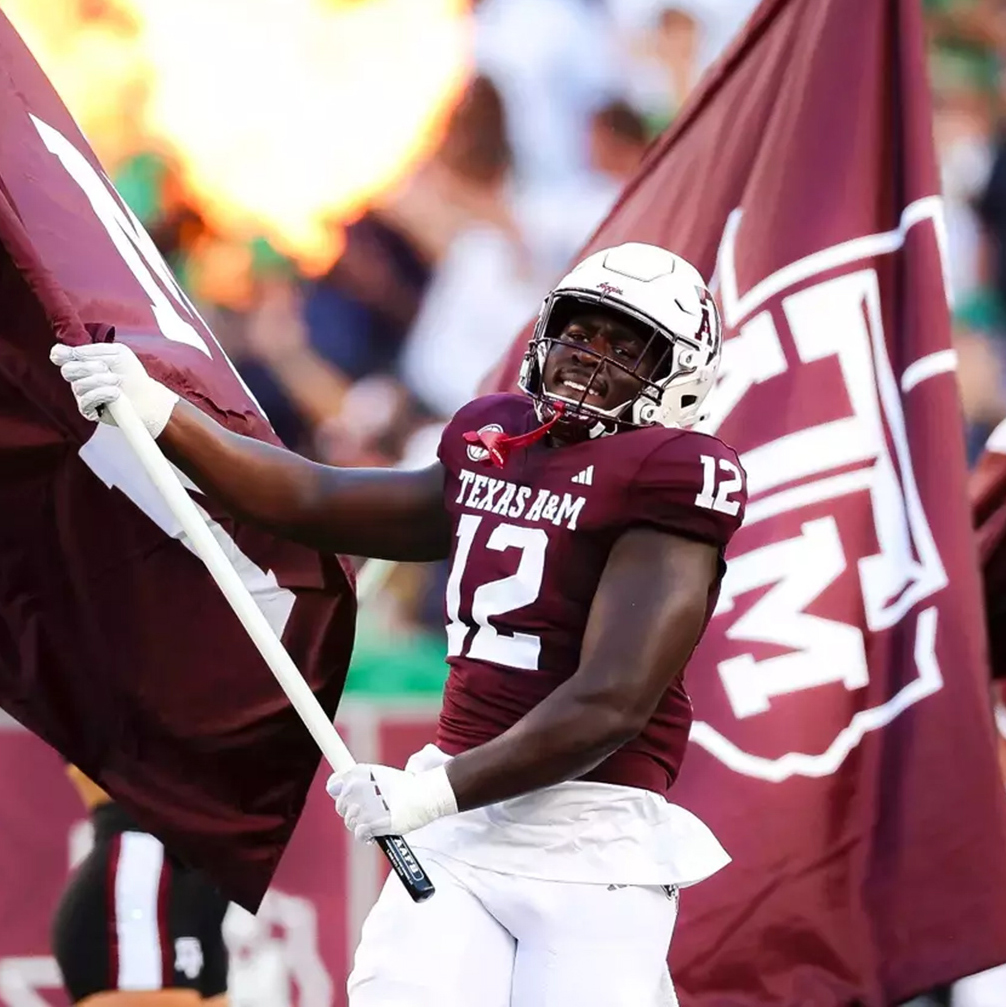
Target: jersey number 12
x=716, y=491
x=515, y=650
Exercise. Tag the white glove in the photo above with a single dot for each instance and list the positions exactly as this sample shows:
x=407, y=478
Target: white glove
x=380, y=801
x=100, y=372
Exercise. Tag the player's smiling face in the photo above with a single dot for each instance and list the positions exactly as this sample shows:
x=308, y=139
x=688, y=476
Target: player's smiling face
x=579, y=365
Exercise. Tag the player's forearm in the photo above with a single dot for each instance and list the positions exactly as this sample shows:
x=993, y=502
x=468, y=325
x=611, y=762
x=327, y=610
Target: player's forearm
x=381, y=513
x=256, y=482
x=564, y=737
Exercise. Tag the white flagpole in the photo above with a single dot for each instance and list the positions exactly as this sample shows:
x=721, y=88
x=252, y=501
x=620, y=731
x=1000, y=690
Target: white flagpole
x=333, y=748
x=229, y=581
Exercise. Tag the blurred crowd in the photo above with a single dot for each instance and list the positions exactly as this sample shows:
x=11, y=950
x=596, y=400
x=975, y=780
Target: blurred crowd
x=967, y=62
x=363, y=364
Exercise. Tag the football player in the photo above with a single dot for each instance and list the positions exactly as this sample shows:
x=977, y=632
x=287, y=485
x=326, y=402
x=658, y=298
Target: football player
x=136, y=927
x=586, y=525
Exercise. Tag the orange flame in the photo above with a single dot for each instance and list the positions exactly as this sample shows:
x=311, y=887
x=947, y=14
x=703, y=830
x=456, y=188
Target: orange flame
x=286, y=116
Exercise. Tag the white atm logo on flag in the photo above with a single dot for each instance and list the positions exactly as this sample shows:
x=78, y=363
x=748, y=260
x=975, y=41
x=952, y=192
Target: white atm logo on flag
x=845, y=491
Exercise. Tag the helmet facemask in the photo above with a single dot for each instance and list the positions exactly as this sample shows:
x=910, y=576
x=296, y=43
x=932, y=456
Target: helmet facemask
x=675, y=361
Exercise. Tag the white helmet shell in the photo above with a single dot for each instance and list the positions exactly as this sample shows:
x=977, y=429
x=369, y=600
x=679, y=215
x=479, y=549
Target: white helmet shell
x=661, y=290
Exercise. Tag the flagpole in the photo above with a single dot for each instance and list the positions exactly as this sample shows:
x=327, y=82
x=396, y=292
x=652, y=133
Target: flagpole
x=205, y=545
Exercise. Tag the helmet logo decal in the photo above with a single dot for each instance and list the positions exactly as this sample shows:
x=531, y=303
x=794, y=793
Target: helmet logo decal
x=609, y=288
x=708, y=332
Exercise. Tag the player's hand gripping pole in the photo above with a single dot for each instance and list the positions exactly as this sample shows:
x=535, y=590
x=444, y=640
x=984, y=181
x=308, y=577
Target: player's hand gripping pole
x=401, y=857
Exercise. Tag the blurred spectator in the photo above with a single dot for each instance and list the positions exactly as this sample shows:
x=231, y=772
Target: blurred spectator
x=667, y=44
x=962, y=126
x=370, y=427
x=980, y=379
x=973, y=28
x=554, y=63
x=663, y=58
x=487, y=284
x=276, y=336
x=558, y=219
x=359, y=312
x=303, y=349
x=618, y=138
x=991, y=206
x=964, y=70
x=719, y=21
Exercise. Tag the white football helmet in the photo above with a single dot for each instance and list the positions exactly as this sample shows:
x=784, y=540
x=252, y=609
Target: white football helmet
x=666, y=294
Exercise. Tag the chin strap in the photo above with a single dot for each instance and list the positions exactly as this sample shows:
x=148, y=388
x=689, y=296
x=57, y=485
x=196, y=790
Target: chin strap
x=498, y=445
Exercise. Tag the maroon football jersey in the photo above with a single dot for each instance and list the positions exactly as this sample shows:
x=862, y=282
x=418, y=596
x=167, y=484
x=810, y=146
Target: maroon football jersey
x=531, y=540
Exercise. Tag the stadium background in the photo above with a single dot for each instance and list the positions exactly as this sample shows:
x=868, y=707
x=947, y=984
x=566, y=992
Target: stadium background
x=364, y=302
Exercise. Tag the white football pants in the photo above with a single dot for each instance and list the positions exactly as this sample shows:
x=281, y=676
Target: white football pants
x=496, y=940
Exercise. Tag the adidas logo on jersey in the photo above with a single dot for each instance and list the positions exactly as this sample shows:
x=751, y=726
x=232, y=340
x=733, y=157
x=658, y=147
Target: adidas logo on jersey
x=584, y=478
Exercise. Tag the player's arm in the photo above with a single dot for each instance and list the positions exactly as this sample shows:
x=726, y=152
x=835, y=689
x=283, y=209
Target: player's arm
x=382, y=513
x=645, y=620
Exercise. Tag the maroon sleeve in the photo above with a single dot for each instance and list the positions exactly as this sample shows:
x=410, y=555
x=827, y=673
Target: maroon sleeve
x=690, y=485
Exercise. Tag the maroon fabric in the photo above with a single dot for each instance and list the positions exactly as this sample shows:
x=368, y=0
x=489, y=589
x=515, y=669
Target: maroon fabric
x=115, y=645
x=547, y=519
x=842, y=748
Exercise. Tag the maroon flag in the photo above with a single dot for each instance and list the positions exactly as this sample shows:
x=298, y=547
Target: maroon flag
x=115, y=645
x=843, y=747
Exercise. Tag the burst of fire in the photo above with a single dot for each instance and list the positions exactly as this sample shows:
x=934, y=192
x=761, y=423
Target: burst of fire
x=285, y=116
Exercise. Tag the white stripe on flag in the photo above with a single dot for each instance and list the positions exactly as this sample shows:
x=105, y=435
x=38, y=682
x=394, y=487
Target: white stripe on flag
x=137, y=881
x=997, y=440
x=929, y=366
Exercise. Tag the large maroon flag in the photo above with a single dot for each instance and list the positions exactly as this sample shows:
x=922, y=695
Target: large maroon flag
x=115, y=645
x=843, y=747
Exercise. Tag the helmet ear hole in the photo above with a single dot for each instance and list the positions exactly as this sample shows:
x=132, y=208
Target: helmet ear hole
x=688, y=400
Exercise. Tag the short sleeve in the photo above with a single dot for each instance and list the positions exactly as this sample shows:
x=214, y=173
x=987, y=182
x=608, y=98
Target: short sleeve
x=690, y=485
